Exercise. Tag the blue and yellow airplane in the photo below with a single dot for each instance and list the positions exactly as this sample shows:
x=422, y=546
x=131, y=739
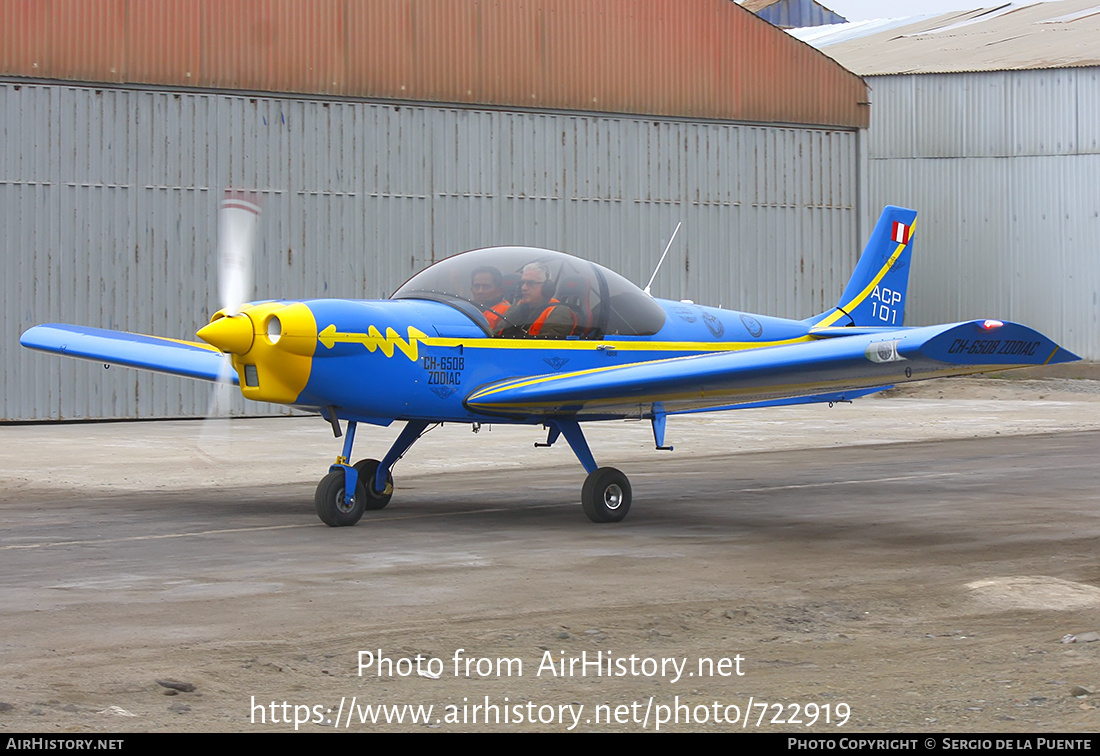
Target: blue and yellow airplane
x=470, y=340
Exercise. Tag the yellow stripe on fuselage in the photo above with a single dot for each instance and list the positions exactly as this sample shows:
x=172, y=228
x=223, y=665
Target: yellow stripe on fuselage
x=374, y=340
x=621, y=346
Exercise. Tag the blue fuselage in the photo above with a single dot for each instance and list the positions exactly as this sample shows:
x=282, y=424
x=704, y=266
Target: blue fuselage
x=385, y=360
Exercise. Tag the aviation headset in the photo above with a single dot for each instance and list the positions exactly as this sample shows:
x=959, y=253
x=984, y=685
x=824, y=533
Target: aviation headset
x=548, y=284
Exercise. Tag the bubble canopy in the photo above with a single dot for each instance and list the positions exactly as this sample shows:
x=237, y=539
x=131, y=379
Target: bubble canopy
x=603, y=302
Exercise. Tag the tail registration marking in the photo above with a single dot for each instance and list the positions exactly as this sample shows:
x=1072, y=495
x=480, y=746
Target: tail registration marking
x=373, y=339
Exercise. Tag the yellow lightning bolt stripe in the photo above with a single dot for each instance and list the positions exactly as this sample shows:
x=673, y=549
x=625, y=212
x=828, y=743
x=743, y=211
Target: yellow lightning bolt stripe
x=858, y=299
x=374, y=340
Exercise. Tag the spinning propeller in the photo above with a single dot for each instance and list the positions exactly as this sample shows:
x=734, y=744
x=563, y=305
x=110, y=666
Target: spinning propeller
x=238, y=218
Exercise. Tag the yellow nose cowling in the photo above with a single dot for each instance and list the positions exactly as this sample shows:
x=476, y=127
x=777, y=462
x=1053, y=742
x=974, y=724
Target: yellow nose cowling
x=272, y=347
x=229, y=334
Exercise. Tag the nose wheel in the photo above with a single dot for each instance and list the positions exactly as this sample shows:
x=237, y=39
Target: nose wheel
x=606, y=495
x=333, y=507
x=336, y=510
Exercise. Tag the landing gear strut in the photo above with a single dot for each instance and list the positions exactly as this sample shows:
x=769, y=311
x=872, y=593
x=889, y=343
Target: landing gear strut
x=369, y=480
x=606, y=494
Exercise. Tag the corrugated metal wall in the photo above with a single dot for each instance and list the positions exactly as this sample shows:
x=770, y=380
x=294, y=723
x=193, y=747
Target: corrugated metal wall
x=108, y=203
x=1004, y=169
x=697, y=58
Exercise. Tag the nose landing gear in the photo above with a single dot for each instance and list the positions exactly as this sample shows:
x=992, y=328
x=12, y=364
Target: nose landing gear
x=369, y=481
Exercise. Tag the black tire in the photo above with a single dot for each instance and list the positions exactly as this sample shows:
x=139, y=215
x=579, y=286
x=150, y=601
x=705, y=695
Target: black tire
x=367, y=468
x=606, y=495
x=329, y=499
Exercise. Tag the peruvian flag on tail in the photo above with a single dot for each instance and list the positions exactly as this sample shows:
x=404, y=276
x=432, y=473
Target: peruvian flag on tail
x=901, y=233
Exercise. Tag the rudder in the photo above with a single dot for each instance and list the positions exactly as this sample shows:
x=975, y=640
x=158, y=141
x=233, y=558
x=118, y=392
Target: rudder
x=875, y=294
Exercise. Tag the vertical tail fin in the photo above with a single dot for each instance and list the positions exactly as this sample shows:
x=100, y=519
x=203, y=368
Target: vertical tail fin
x=875, y=294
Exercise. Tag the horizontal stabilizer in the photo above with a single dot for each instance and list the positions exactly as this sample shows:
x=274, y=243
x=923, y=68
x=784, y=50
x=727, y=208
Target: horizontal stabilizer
x=721, y=379
x=185, y=358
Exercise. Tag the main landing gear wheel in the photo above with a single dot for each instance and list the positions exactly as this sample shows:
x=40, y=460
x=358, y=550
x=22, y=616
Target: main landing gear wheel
x=367, y=468
x=606, y=495
x=331, y=507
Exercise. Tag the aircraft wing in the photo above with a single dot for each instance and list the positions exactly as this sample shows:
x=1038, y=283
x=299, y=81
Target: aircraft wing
x=822, y=367
x=161, y=355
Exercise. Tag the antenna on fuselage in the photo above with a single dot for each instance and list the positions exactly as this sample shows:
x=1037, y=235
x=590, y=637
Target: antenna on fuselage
x=667, y=248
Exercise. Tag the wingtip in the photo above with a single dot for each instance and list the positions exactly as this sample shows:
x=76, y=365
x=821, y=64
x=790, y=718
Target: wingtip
x=1061, y=355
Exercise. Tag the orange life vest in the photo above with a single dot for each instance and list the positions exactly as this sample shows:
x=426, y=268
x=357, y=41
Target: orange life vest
x=494, y=313
x=540, y=321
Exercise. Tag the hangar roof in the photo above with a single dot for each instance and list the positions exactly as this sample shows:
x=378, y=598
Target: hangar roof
x=708, y=59
x=1010, y=36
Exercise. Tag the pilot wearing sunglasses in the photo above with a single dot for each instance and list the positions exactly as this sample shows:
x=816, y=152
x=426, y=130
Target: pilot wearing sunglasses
x=537, y=313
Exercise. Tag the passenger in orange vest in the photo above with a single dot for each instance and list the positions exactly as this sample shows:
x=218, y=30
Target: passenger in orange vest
x=487, y=291
x=537, y=313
